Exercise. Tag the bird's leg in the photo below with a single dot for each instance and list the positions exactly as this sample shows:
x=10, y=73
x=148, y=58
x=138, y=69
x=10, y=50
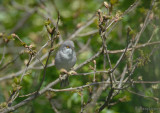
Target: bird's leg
x=62, y=72
x=64, y=80
x=72, y=72
x=60, y=77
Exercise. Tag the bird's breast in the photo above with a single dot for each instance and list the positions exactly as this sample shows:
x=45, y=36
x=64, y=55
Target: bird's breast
x=65, y=61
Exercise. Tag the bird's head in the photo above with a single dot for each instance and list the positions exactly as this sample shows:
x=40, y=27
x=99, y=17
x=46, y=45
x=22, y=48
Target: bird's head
x=67, y=47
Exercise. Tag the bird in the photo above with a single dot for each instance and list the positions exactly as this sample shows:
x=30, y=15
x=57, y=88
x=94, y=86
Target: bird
x=65, y=59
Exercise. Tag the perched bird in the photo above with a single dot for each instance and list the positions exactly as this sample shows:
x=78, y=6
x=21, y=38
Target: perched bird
x=65, y=59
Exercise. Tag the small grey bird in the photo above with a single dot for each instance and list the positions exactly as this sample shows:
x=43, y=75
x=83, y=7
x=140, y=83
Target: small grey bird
x=65, y=59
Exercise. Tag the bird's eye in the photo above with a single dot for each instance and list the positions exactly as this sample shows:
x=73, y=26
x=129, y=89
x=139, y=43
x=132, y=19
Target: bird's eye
x=67, y=47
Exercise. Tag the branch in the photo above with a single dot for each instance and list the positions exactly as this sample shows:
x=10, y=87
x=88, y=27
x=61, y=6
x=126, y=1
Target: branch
x=7, y=64
x=154, y=98
x=121, y=57
x=134, y=47
x=147, y=20
x=54, y=34
x=82, y=27
x=3, y=56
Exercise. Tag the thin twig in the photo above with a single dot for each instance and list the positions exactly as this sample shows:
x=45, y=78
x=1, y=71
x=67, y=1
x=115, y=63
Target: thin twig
x=3, y=56
x=88, y=33
x=7, y=64
x=82, y=104
x=81, y=28
x=53, y=37
x=121, y=57
x=94, y=77
x=154, y=98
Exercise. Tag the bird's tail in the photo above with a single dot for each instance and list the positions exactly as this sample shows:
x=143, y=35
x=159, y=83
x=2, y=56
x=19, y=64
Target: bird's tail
x=65, y=82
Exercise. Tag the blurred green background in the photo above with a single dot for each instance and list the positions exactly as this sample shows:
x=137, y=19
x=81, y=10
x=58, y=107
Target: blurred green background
x=74, y=13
